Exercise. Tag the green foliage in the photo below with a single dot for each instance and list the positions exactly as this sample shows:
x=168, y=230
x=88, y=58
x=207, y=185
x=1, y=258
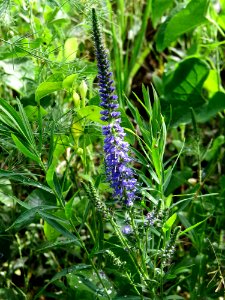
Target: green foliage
x=61, y=233
x=180, y=21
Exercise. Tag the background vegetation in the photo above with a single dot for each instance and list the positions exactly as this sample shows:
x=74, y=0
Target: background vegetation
x=52, y=236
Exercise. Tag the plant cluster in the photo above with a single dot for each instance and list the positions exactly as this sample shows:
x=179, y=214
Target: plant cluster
x=112, y=180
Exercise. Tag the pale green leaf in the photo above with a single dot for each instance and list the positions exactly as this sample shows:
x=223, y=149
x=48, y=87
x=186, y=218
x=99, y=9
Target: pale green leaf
x=169, y=223
x=46, y=88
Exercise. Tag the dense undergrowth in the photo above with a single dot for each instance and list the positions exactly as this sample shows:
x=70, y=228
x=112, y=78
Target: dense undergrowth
x=76, y=222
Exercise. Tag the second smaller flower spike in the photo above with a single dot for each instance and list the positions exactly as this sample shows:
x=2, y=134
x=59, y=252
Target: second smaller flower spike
x=118, y=172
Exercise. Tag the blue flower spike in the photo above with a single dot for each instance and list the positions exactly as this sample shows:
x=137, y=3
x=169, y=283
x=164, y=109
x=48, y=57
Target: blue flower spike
x=118, y=173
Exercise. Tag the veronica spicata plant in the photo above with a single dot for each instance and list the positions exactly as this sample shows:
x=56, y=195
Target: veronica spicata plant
x=119, y=174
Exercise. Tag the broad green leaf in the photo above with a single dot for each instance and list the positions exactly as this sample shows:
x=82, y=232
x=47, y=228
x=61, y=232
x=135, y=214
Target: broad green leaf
x=70, y=49
x=32, y=112
x=159, y=7
x=9, y=293
x=6, y=193
x=169, y=223
x=180, y=22
x=46, y=88
x=39, y=197
x=212, y=82
x=183, y=89
x=92, y=113
x=212, y=107
x=69, y=208
x=23, y=149
x=69, y=81
x=88, y=282
x=177, y=179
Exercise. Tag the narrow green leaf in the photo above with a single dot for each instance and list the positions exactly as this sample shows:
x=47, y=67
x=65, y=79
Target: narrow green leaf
x=23, y=149
x=58, y=243
x=12, y=175
x=156, y=158
x=191, y=227
x=56, y=225
x=24, y=219
x=61, y=274
x=169, y=223
x=10, y=117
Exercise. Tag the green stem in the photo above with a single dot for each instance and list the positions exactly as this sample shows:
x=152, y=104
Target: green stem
x=138, y=241
x=89, y=258
x=124, y=242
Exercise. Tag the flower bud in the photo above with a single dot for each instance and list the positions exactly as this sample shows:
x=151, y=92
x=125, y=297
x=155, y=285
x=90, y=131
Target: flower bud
x=80, y=151
x=83, y=89
x=76, y=99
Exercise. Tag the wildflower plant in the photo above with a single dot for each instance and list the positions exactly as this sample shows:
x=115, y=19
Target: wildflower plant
x=119, y=174
x=63, y=233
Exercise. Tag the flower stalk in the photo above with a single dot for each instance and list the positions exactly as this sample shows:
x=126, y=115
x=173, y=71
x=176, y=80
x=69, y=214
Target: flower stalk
x=118, y=172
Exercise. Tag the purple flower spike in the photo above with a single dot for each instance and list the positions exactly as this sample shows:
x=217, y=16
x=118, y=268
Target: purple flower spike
x=118, y=173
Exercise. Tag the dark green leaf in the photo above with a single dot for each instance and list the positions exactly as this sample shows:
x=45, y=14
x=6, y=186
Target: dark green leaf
x=183, y=89
x=61, y=274
x=159, y=7
x=181, y=22
x=23, y=179
x=56, y=225
x=212, y=107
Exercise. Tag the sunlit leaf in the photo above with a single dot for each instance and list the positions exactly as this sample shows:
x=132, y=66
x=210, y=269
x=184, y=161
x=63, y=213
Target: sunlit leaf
x=180, y=22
